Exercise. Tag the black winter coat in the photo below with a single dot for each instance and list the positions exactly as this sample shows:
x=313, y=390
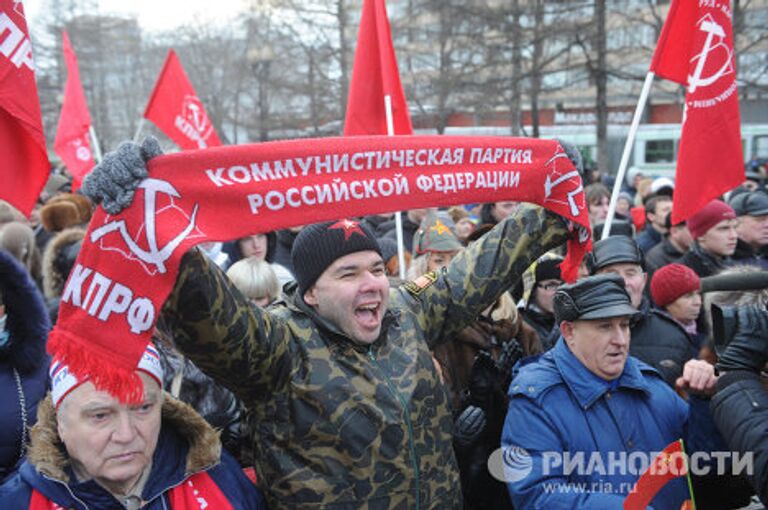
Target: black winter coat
x=660, y=341
x=740, y=410
x=660, y=255
x=701, y=262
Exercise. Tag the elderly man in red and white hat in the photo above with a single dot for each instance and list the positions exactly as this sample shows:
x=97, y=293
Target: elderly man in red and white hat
x=88, y=450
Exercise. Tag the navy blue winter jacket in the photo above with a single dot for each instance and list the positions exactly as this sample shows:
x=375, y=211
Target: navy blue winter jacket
x=28, y=324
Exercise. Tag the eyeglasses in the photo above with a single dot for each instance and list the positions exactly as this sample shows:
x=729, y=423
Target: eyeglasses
x=549, y=286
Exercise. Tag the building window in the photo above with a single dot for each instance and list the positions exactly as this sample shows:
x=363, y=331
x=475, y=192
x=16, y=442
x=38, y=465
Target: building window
x=659, y=151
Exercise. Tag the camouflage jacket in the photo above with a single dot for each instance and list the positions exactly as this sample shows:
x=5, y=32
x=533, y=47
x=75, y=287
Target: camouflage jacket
x=342, y=425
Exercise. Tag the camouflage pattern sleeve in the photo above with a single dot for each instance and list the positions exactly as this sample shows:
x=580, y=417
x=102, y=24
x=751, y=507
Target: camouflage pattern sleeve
x=450, y=300
x=240, y=346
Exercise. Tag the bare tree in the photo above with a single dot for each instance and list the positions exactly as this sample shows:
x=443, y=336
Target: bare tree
x=599, y=74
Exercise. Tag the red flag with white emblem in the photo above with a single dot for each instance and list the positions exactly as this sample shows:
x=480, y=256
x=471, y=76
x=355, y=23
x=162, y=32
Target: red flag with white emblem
x=695, y=49
x=25, y=167
x=175, y=108
x=72, y=141
x=375, y=79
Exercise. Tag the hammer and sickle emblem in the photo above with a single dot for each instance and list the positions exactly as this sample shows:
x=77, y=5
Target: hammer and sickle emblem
x=196, y=117
x=708, y=25
x=153, y=255
x=549, y=185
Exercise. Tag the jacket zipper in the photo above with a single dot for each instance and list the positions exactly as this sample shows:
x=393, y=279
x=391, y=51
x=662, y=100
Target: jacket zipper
x=66, y=486
x=147, y=502
x=407, y=415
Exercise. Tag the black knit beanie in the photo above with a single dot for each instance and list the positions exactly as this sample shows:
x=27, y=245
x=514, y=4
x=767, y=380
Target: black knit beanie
x=319, y=245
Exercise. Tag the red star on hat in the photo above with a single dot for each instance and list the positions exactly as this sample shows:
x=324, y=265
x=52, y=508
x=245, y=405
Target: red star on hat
x=440, y=228
x=349, y=227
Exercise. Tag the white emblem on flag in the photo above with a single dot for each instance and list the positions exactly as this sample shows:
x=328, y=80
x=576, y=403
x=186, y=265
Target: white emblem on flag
x=153, y=255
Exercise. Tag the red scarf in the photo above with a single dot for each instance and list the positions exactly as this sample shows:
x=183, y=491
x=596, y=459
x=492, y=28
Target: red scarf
x=198, y=492
x=128, y=263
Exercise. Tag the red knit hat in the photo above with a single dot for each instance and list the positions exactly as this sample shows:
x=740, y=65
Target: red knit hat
x=712, y=214
x=672, y=281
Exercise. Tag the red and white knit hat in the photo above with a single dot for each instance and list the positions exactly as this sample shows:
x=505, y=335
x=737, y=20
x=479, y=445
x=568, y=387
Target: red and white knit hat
x=63, y=381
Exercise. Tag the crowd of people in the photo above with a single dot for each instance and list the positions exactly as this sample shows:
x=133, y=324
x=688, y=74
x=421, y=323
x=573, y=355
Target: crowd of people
x=296, y=369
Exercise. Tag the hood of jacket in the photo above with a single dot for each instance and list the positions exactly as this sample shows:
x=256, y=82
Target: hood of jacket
x=28, y=321
x=49, y=456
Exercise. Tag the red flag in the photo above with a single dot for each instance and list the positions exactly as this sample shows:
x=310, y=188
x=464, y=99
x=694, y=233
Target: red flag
x=696, y=50
x=175, y=108
x=669, y=464
x=72, y=142
x=375, y=78
x=24, y=165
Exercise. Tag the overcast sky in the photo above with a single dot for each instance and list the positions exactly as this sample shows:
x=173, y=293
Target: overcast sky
x=155, y=14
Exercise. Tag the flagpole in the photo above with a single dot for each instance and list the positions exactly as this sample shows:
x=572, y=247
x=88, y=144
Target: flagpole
x=398, y=216
x=625, y=155
x=95, y=143
x=138, y=130
x=688, y=475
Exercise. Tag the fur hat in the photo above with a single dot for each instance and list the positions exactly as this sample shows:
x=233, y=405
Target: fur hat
x=64, y=211
x=319, y=245
x=59, y=258
x=712, y=214
x=672, y=281
x=18, y=239
x=8, y=213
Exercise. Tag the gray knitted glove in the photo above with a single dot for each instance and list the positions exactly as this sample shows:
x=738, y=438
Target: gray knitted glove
x=113, y=182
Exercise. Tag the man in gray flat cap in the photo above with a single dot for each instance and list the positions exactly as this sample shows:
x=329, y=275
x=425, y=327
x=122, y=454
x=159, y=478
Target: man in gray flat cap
x=588, y=397
x=751, y=210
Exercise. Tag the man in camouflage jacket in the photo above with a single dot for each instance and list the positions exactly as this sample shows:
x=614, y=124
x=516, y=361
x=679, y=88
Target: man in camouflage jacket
x=347, y=408
x=344, y=424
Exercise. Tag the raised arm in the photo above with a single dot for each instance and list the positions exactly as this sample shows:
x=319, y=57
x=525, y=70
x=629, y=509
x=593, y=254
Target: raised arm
x=236, y=343
x=485, y=269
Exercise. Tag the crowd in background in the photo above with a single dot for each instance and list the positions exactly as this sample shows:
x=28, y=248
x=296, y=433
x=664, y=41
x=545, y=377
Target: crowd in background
x=661, y=263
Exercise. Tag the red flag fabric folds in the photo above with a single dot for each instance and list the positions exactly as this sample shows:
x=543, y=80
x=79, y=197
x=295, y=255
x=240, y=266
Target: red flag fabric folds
x=175, y=108
x=25, y=165
x=374, y=78
x=72, y=142
x=669, y=464
x=696, y=50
